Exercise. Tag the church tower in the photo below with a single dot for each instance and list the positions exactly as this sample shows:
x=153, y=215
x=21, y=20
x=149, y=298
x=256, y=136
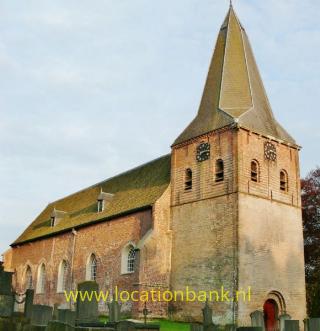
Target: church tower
x=236, y=208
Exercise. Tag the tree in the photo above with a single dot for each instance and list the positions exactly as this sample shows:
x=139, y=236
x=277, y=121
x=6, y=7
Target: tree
x=310, y=194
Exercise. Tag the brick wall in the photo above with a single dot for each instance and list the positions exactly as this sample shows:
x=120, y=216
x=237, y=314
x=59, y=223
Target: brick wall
x=271, y=258
x=155, y=255
x=251, y=147
x=237, y=232
x=105, y=240
x=204, y=225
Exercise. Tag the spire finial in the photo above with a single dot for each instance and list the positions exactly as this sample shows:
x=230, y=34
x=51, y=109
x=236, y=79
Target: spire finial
x=231, y=3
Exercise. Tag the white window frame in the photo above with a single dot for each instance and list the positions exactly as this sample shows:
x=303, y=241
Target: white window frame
x=41, y=279
x=91, y=268
x=28, y=278
x=62, y=276
x=126, y=260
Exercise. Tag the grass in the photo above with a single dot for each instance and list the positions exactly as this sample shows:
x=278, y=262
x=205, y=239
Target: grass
x=165, y=325
x=172, y=326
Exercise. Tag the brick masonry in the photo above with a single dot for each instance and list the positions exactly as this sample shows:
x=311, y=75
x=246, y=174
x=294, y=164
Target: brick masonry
x=238, y=233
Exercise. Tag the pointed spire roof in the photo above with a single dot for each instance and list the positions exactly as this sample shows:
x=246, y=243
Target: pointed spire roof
x=234, y=91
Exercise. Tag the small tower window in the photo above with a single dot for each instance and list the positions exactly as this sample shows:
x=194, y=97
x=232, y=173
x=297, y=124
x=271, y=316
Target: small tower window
x=254, y=171
x=219, y=170
x=100, y=206
x=283, y=181
x=188, y=180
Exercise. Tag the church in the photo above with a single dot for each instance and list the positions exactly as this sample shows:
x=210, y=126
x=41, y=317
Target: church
x=222, y=209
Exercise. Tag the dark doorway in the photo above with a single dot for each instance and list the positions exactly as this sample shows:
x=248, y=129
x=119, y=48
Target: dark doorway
x=270, y=310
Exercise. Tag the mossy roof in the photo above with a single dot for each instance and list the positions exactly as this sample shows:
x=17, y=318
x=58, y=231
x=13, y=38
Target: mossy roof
x=133, y=190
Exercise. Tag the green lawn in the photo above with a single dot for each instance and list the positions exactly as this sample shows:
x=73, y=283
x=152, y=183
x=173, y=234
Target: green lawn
x=173, y=326
x=165, y=324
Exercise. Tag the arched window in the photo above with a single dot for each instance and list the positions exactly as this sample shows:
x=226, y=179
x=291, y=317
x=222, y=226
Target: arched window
x=41, y=281
x=219, y=170
x=255, y=171
x=28, y=279
x=92, y=268
x=131, y=259
x=188, y=180
x=284, y=181
x=128, y=259
x=62, y=276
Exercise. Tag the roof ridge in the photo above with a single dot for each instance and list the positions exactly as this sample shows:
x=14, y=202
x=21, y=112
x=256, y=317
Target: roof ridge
x=107, y=179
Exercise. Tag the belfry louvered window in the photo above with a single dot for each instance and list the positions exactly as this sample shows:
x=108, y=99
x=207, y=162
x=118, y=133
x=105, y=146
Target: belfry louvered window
x=283, y=181
x=219, y=170
x=254, y=171
x=188, y=180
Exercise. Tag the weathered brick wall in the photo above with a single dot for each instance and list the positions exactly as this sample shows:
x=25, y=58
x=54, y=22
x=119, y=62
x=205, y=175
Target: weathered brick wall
x=251, y=147
x=223, y=147
x=155, y=255
x=270, y=230
x=106, y=240
x=204, y=225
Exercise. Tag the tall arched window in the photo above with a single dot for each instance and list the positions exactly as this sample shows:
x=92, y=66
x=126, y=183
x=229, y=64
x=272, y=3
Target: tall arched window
x=284, y=181
x=188, y=180
x=128, y=258
x=41, y=281
x=255, y=171
x=219, y=170
x=131, y=259
x=92, y=268
x=62, y=276
x=28, y=279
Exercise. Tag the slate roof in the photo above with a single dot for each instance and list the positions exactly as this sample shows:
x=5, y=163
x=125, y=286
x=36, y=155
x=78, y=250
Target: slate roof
x=234, y=91
x=133, y=190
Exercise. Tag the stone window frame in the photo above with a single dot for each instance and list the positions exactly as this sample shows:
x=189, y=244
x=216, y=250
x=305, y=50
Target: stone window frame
x=92, y=268
x=41, y=279
x=188, y=179
x=255, y=171
x=62, y=276
x=128, y=258
x=284, y=181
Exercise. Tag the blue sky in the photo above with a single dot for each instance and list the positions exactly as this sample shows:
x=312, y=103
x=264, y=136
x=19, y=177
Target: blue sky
x=91, y=88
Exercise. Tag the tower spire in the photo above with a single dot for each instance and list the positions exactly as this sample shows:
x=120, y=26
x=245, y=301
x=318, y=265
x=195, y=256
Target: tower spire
x=234, y=93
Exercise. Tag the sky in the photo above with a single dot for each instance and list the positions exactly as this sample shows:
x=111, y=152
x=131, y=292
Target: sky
x=89, y=89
